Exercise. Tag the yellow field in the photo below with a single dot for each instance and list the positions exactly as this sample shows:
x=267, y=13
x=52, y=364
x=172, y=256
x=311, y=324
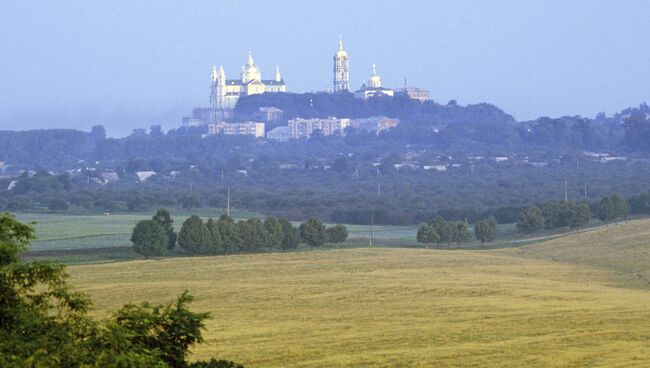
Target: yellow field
x=401, y=307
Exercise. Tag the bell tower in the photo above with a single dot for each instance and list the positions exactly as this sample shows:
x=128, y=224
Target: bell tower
x=341, y=69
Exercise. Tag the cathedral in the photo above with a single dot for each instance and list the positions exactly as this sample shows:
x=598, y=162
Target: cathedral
x=225, y=92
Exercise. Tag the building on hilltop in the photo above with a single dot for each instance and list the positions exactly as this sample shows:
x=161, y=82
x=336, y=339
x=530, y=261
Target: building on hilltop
x=280, y=134
x=256, y=129
x=416, y=93
x=374, y=123
x=373, y=88
x=304, y=128
x=225, y=92
x=341, y=69
x=269, y=114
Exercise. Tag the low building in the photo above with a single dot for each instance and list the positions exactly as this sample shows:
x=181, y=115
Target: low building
x=192, y=122
x=377, y=123
x=373, y=88
x=416, y=93
x=145, y=175
x=304, y=128
x=280, y=134
x=110, y=177
x=256, y=129
x=269, y=114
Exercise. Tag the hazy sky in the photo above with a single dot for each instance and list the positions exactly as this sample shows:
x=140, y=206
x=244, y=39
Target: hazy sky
x=126, y=64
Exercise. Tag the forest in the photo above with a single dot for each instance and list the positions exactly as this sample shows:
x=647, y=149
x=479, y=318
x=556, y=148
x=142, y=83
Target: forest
x=338, y=178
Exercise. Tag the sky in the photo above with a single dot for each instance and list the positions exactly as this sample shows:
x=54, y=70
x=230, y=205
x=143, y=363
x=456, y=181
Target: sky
x=130, y=64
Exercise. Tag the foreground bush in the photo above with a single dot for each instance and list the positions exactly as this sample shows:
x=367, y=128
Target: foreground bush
x=45, y=324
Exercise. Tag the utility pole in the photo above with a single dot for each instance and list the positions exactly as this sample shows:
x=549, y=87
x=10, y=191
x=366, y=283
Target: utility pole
x=191, y=189
x=222, y=175
x=566, y=192
x=471, y=169
x=228, y=204
x=585, y=192
x=372, y=222
x=378, y=190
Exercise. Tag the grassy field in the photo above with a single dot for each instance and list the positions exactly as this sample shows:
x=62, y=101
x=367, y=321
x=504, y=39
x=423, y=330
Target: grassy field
x=89, y=231
x=559, y=303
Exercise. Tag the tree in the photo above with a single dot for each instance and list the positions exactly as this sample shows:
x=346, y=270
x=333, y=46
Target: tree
x=149, y=239
x=486, y=230
x=230, y=235
x=261, y=235
x=164, y=219
x=248, y=234
x=427, y=234
x=606, y=210
x=460, y=233
x=530, y=220
x=337, y=234
x=290, y=235
x=274, y=233
x=313, y=233
x=582, y=215
x=44, y=324
x=216, y=243
x=442, y=228
x=57, y=204
x=621, y=207
x=194, y=236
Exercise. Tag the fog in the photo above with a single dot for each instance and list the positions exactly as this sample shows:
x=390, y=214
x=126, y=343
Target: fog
x=124, y=64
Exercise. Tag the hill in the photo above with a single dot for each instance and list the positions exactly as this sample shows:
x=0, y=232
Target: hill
x=623, y=249
x=401, y=307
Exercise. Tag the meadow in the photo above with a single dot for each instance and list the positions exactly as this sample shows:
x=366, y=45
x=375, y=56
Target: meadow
x=571, y=301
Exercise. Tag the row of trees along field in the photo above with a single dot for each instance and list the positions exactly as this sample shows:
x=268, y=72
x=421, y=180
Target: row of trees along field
x=574, y=215
x=440, y=231
x=45, y=324
x=225, y=235
x=550, y=215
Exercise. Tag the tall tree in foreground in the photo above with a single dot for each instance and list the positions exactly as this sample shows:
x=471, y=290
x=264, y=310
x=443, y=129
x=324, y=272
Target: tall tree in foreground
x=313, y=233
x=149, y=239
x=486, y=230
x=164, y=219
x=44, y=324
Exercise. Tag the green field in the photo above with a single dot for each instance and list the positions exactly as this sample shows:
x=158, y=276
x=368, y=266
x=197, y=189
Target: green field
x=573, y=301
x=88, y=231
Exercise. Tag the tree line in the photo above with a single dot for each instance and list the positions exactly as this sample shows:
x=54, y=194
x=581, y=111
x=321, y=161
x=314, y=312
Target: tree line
x=43, y=323
x=224, y=235
x=575, y=215
x=440, y=231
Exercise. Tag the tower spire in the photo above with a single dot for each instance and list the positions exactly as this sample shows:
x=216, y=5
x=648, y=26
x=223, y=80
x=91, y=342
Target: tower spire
x=278, y=77
x=341, y=69
x=249, y=61
x=213, y=76
x=374, y=69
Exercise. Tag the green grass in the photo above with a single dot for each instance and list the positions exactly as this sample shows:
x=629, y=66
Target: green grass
x=396, y=307
x=86, y=231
